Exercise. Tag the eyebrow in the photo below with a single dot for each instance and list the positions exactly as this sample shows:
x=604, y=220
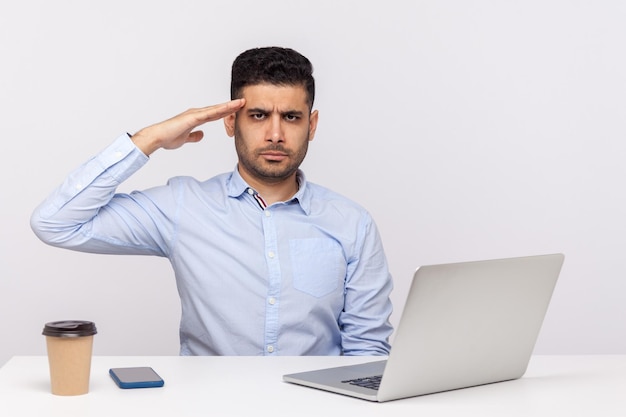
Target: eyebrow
x=283, y=113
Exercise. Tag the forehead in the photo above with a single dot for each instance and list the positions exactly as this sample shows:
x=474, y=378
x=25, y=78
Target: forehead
x=268, y=96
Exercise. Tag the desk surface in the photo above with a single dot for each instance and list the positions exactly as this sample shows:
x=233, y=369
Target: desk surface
x=243, y=386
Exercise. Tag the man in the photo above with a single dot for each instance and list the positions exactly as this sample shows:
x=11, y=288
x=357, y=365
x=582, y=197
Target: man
x=266, y=263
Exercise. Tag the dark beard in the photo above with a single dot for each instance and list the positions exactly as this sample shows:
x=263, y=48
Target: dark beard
x=272, y=172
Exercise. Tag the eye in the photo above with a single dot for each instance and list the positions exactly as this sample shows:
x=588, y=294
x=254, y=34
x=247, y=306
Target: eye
x=258, y=116
x=291, y=117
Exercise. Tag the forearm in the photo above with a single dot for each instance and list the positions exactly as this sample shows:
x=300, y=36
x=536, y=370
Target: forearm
x=59, y=219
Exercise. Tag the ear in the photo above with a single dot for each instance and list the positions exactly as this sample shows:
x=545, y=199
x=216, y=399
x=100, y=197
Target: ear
x=229, y=124
x=313, y=124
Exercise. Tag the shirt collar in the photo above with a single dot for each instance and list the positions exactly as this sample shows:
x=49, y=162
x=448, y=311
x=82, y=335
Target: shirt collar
x=237, y=186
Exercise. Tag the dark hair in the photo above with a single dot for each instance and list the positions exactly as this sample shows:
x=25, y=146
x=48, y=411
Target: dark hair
x=272, y=65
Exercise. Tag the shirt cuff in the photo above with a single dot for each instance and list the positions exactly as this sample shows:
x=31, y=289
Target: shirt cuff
x=122, y=158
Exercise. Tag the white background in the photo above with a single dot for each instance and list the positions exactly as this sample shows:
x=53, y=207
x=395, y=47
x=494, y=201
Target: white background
x=470, y=130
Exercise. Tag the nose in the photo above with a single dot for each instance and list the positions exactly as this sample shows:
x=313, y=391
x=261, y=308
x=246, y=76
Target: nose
x=275, y=131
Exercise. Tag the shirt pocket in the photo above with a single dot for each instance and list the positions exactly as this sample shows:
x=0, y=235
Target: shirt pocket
x=318, y=265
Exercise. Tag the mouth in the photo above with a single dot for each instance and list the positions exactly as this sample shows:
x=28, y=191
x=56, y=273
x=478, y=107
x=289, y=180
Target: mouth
x=274, y=155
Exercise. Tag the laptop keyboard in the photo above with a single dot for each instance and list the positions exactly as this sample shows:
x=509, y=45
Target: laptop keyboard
x=372, y=382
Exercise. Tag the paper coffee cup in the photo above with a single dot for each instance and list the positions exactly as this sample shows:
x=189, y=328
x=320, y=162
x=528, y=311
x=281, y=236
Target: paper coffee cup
x=69, y=344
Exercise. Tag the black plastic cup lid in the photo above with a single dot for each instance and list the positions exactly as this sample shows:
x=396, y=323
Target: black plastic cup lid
x=69, y=328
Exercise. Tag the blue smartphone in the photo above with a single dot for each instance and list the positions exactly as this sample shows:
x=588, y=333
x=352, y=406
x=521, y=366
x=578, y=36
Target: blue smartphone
x=137, y=377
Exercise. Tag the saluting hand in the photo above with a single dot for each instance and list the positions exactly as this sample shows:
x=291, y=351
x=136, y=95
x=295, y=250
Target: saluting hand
x=175, y=132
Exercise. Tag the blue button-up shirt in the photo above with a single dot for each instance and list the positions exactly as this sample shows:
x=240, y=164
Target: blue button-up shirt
x=307, y=276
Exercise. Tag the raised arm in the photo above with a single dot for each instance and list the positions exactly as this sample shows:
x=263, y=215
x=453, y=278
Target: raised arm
x=85, y=214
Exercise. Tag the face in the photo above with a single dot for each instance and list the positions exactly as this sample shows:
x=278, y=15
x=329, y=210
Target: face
x=272, y=132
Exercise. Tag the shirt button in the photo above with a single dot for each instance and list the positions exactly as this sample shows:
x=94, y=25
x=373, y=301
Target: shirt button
x=272, y=301
x=250, y=191
x=118, y=155
x=270, y=348
x=271, y=254
x=267, y=213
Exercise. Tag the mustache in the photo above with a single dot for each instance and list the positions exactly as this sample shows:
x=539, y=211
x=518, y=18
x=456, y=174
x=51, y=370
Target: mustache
x=274, y=148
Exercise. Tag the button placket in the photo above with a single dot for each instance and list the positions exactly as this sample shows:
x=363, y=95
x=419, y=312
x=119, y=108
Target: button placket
x=274, y=282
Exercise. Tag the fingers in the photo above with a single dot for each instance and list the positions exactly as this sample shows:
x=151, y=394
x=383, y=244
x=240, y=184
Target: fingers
x=175, y=132
x=218, y=111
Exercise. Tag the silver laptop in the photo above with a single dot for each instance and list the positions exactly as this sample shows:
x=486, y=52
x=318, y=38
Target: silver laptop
x=463, y=325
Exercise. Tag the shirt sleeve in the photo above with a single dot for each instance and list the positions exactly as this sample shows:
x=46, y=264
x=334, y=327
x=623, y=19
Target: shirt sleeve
x=81, y=213
x=365, y=319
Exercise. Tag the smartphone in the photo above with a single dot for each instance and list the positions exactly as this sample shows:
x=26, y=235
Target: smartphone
x=137, y=377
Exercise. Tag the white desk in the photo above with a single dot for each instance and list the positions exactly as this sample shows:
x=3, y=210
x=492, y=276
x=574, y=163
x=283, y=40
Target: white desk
x=246, y=386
